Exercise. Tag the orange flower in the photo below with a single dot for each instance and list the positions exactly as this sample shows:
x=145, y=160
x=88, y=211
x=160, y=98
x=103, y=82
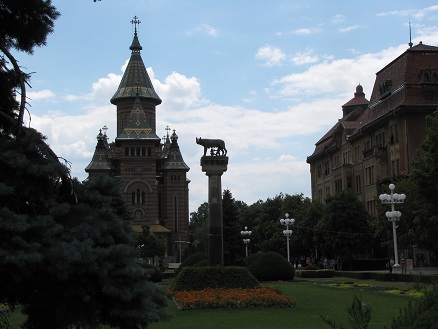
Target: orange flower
x=219, y=297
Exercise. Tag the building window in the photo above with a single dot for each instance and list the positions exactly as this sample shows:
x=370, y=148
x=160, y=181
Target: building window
x=346, y=157
x=357, y=154
x=319, y=171
x=338, y=186
x=175, y=212
x=326, y=168
x=367, y=145
x=369, y=175
x=393, y=132
x=337, y=160
x=327, y=192
x=138, y=197
x=380, y=139
x=358, y=184
x=320, y=195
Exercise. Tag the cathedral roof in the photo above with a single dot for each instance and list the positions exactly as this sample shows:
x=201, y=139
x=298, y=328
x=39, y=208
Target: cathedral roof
x=136, y=78
x=174, y=159
x=137, y=125
x=100, y=161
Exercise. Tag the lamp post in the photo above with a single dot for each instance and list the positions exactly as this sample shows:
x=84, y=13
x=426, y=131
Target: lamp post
x=246, y=234
x=393, y=216
x=287, y=233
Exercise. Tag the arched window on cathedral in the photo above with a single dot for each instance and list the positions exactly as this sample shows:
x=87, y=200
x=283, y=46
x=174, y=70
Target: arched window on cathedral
x=138, y=197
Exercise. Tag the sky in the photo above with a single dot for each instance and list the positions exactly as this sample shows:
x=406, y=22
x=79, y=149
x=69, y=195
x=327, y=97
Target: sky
x=267, y=77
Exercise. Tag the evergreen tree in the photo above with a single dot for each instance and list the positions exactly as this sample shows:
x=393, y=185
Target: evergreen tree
x=67, y=252
x=233, y=246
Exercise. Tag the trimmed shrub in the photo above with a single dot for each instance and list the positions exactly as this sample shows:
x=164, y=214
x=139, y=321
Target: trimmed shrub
x=311, y=267
x=421, y=314
x=199, y=278
x=153, y=273
x=191, y=260
x=201, y=263
x=315, y=274
x=271, y=266
x=252, y=258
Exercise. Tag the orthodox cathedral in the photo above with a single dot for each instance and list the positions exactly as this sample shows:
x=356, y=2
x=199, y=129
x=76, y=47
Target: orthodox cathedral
x=151, y=171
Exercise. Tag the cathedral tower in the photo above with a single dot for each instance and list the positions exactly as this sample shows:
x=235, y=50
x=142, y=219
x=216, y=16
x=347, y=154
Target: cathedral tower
x=152, y=174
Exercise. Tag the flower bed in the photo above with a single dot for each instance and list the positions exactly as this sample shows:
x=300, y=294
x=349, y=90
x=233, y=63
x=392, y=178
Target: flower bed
x=411, y=293
x=231, y=298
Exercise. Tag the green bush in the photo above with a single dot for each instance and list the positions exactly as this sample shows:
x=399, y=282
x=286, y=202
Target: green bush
x=191, y=260
x=421, y=314
x=153, y=273
x=201, y=263
x=252, y=258
x=315, y=273
x=198, y=278
x=271, y=266
x=311, y=267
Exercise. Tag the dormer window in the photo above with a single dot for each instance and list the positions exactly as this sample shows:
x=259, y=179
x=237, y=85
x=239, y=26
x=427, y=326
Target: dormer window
x=385, y=88
x=429, y=76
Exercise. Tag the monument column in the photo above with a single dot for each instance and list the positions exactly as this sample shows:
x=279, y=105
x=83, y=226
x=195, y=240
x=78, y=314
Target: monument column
x=214, y=167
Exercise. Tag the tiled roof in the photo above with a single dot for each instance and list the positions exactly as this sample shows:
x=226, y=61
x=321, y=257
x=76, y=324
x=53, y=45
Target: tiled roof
x=136, y=79
x=100, y=161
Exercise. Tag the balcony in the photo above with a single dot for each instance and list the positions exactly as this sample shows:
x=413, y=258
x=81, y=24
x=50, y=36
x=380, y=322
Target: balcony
x=376, y=151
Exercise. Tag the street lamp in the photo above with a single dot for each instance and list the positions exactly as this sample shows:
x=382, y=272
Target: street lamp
x=393, y=216
x=287, y=233
x=246, y=234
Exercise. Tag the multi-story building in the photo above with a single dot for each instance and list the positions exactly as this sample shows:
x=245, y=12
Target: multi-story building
x=151, y=172
x=376, y=140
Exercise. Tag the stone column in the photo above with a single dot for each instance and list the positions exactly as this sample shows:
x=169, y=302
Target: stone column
x=214, y=167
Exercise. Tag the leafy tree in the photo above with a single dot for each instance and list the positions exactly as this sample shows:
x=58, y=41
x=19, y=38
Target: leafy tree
x=424, y=176
x=344, y=229
x=268, y=229
x=233, y=247
x=198, y=229
x=405, y=227
x=304, y=237
x=150, y=245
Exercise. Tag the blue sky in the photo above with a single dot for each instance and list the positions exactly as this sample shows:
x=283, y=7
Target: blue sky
x=268, y=77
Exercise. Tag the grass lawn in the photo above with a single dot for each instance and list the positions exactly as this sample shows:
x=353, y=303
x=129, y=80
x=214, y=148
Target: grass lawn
x=313, y=300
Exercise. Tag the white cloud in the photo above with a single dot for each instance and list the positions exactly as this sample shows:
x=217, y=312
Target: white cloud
x=337, y=19
x=349, y=28
x=335, y=76
x=307, y=57
x=306, y=31
x=41, y=94
x=204, y=29
x=271, y=55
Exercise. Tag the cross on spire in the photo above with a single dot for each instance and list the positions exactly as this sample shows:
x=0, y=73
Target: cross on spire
x=135, y=21
x=167, y=130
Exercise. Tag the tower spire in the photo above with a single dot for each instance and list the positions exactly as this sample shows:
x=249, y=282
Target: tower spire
x=410, y=35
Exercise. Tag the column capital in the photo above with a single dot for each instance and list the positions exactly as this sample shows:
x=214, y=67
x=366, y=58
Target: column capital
x=214, y=165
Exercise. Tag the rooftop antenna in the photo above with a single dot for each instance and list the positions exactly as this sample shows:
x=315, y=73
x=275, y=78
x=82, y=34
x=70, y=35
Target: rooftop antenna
x=410, y=35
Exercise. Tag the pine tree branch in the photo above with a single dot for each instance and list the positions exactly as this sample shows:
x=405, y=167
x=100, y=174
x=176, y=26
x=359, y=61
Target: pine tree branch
x=21, y=76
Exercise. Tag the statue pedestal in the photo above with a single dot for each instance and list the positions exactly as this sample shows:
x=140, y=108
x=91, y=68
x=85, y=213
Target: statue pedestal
x=214, y=167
